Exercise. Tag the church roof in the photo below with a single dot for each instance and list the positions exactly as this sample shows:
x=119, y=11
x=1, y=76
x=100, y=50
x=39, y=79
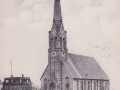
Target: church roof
x=79, y=66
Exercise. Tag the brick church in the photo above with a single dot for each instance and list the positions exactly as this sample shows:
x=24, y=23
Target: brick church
x=67, y=71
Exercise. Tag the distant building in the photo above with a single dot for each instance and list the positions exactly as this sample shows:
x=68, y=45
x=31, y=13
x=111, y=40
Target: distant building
x=35, y=87
x=17, y=83
x=67, y=71
x=1, y=85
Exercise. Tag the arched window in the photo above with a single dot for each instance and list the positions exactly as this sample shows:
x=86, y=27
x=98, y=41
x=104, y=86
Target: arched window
x=60, y=38
x=45, y=84
x=100, y=88
x=106, y=86
x=55, y=42
x=81, y=85
x=88, y=85
x=64, y=42
x=94, y=85
x=67, y=83
x=52, y=38
x=55, y=38
x=61, y=41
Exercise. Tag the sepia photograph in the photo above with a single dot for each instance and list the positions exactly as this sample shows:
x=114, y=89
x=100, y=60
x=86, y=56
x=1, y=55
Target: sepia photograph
x=59, y=44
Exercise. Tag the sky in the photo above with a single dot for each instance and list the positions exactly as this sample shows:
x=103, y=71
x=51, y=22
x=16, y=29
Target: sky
x=93, y=29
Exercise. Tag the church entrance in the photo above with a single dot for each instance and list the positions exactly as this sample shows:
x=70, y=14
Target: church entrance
x=52, y=86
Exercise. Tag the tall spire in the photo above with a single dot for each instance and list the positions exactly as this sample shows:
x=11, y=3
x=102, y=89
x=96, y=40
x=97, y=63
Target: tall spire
x=57, y=19
x=57, y=10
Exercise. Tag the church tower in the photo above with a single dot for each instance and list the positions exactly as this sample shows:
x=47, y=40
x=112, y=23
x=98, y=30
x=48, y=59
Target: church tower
x=57, y=46
x=67, y=71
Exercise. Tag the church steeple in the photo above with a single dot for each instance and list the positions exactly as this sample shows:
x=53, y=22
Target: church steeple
x=57, y=35
x=57, y=45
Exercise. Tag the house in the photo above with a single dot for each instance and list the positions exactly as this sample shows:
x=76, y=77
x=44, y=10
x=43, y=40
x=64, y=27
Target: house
x=17, y=83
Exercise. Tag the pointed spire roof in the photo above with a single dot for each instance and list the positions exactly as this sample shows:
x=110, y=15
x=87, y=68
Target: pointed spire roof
x=57, y=19
x=57, y=10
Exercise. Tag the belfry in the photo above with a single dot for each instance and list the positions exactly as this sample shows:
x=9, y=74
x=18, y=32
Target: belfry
x=67, y=71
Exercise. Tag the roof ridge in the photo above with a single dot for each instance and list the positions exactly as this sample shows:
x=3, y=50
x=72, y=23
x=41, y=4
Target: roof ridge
x=81, y=55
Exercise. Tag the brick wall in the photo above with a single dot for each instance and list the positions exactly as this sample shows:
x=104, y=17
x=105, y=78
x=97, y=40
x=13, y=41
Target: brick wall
x=46, y=75
x=66, y=73
x=104, y=84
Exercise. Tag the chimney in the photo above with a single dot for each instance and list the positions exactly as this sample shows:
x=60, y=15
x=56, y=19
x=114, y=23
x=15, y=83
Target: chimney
x=22, y=75
x=11, y=75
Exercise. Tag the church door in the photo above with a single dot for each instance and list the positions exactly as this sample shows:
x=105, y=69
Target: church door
x=52, y=86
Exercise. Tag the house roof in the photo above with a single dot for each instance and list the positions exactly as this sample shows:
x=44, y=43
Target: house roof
x=80, y=65
x=1, y=83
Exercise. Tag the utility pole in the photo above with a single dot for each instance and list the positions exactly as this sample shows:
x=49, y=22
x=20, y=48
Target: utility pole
x=11, y=68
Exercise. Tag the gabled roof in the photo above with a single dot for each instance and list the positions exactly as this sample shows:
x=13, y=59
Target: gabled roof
x=80, y=65
x=44, y=72
x=1, y=83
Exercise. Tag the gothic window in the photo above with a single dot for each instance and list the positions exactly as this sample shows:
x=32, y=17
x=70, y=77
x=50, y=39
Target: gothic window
x=88, y=85
x=51, y=38
x=105, y=85
x=100, y=87
x=64, y=42
x=67, y=83
x=94, y=85
x=55, y=41
x=45, y=84
x=60, y=38
x=51, y=43
x=81, y=85
x=55, y=38
x=60, y=41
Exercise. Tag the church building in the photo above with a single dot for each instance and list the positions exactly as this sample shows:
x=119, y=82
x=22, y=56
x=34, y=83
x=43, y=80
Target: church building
x=67, y=71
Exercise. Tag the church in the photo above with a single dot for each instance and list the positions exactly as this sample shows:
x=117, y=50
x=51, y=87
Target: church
x=67, y=71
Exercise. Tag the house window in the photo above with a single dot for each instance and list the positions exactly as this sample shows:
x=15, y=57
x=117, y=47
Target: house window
x=67, y=83
x=45, y=84
x=81, y=85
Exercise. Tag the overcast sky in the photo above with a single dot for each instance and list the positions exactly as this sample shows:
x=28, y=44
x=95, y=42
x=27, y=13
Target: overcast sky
x=93, y=29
